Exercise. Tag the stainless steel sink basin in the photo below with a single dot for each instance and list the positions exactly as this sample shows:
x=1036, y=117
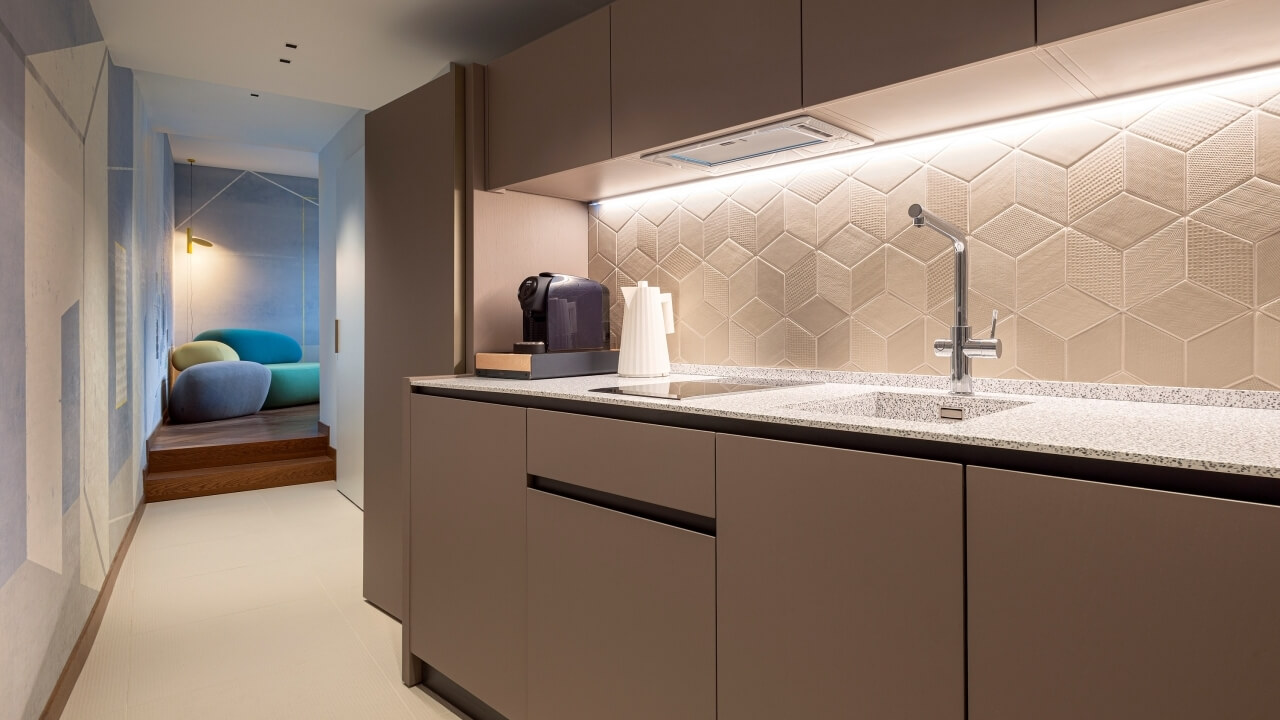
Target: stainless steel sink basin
x=908, y=406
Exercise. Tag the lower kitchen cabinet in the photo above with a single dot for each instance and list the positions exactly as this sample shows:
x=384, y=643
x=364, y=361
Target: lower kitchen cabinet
x=467, y=553
x=622, y=615
x=840, y=583
x=1116, y=603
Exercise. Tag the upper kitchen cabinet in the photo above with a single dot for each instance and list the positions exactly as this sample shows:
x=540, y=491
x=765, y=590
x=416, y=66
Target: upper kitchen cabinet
x=1060, y=19
x=852, y=47
x=548, y=103
x=682, y=69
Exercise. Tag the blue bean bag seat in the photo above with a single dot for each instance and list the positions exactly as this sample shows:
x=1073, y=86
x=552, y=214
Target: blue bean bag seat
x=292, y=382
x=218, y=390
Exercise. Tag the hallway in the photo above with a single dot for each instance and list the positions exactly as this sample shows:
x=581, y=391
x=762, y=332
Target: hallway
x=247, y=605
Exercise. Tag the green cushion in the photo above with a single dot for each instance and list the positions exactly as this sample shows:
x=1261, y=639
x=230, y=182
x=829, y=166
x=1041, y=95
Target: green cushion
x=201, y=351
x=293, y=384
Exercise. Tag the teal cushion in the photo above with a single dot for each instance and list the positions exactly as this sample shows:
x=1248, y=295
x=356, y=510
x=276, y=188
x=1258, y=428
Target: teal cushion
x=260, y=346
x=293, y=384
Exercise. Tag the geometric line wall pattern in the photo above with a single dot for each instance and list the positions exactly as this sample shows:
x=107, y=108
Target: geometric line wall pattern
x=1132, y=247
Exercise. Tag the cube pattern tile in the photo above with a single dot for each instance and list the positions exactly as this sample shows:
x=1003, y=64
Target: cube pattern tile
x=1132, y=245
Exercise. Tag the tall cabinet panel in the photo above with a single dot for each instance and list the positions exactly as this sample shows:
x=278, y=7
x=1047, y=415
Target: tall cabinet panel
x=414, y=304
x=548, y=103
x=852, y=47
x=840, y=583
x=467, y=551
x=683, y=68
x=1114, y=603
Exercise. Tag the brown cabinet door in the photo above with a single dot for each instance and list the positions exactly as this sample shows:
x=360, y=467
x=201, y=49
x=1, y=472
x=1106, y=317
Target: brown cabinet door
x=467, y=553
x=682, y=68
x=622, y=616
x=840, y=583
x=1114, y=603
x=1060, y=19
x=852, y=47
x=548, y=103
x=412, y=165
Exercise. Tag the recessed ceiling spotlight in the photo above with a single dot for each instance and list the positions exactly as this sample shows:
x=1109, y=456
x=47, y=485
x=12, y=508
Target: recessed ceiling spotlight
x=291, y=46
x=286, y=61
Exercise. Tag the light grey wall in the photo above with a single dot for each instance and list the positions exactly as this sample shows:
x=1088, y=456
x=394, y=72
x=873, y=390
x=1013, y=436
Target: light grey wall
x=342, y=298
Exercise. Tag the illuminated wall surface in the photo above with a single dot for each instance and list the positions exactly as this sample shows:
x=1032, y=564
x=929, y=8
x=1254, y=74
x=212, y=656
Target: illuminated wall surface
x=83, y=317
x=1138, y=242
x=263, y=271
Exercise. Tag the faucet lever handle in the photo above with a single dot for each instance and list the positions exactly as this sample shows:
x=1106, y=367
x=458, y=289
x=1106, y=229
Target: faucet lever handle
x=995, y=315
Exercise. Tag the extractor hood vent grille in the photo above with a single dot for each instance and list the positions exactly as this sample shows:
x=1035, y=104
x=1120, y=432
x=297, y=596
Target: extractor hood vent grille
x=773, y=144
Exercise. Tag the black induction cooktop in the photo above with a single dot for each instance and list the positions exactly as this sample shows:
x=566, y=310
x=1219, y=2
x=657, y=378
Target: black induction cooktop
x=684, y=389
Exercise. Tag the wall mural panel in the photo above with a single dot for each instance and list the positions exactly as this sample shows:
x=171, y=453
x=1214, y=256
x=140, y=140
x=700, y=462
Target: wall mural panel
x=70, y=425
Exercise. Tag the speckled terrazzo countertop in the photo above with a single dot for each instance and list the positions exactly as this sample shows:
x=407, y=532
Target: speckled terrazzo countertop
x=1220, y=437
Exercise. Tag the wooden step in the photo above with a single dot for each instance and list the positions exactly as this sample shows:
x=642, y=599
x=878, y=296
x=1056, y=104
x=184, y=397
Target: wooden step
x=178, y=484
x=225, y=455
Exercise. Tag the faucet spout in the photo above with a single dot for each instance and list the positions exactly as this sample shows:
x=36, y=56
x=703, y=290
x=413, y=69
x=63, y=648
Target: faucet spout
x=959, y=242
x=960, y=346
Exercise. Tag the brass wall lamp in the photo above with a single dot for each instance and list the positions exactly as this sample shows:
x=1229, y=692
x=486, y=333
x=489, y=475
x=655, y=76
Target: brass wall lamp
x=192, y=240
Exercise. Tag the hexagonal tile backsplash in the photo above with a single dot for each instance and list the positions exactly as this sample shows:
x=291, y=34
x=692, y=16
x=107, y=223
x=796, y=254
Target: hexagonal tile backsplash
x=1134, y=245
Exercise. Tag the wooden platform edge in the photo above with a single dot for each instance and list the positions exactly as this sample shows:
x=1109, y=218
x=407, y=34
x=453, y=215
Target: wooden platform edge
x=80, y=651
x=214, y=456
x=239, y=478
x=328, y=445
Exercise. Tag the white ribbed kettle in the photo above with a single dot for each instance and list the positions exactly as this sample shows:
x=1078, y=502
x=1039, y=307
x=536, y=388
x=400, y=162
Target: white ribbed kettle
x=647, y=319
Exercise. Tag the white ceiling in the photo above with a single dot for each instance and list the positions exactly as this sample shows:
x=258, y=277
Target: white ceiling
x=225, y=126
x=358, y=53
x=198, y=60
x=242, y=156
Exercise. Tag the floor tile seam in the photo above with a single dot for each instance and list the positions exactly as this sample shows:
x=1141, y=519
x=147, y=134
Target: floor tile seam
x=291, y=551
x=368, y=650
x=219, y=616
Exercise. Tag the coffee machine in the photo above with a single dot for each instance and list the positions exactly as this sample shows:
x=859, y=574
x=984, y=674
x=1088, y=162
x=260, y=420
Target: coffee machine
x=565, y=331
x=563, y=313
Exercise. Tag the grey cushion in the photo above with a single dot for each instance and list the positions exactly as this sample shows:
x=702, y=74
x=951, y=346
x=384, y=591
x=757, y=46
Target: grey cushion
x=218, y=390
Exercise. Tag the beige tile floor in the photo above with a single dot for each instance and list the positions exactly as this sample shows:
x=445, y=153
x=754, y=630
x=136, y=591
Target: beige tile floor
x=247, y=606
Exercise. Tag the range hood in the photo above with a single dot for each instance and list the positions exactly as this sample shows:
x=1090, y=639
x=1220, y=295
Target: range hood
x=797, y=138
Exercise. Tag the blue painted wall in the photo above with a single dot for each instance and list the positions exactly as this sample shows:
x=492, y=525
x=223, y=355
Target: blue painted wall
x=70, y=407
x=13, y=437
x=264, y=270
x=120, y=211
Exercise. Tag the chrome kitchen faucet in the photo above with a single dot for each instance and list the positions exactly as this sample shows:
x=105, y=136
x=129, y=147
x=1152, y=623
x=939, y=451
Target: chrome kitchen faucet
x=960, y=347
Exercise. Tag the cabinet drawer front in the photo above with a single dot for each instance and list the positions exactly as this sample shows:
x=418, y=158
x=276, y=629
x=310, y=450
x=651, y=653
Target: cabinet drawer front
x=622, y=618
x=667, y=466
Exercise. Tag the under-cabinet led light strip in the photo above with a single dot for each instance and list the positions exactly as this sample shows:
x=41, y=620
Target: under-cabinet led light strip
x=786, y=171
